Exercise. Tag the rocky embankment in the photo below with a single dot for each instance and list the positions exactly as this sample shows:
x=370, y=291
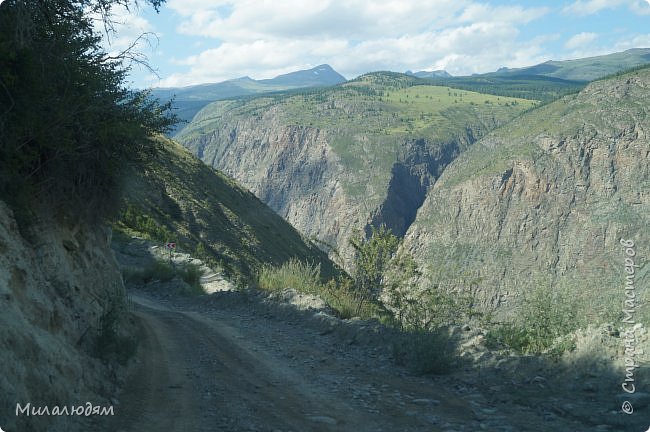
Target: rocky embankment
x=57, y=283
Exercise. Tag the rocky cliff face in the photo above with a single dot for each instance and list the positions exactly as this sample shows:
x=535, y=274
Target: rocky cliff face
x=546, y=200
x=290, y=168
x=340, y=161
x=294, y=170
x=54, y=290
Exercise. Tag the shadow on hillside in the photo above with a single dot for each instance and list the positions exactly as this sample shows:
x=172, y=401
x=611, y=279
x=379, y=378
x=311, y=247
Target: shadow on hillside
x=583, y=388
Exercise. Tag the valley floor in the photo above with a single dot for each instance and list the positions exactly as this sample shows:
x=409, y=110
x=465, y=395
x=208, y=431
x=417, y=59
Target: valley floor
x=232, y=362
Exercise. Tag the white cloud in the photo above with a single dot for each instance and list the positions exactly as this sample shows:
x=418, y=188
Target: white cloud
x=511, y=14
x=263, y=38
x=129, y=31
x=633, y=42
x=255, y=19
x=589, y=7
x=641, y=7
x=579, y=40
x=607, y=47
x=128, y=26
x=474, y=48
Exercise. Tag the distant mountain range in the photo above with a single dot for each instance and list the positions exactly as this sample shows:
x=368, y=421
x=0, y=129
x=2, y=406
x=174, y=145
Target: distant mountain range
x=189, y=100
x=546, y=81
x=557, y=77
x=322, y=75
x=429, y=74
x=585, y=69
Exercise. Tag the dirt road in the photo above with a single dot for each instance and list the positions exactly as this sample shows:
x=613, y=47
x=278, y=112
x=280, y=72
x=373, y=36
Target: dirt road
x=224, y=363
x=196, y=373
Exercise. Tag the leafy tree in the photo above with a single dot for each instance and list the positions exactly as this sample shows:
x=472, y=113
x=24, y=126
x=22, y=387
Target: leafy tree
x=372, y=258
x=68, y=123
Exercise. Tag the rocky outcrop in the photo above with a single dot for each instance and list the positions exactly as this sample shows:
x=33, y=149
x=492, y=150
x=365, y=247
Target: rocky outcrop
x=546, y=200
x=290, y=168
x=410, y=180
x=328, y=179
x=54, y=290
x=294, y=170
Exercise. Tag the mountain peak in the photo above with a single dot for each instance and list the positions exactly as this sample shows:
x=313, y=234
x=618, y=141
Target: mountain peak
x=321, y=75
x=440, y=73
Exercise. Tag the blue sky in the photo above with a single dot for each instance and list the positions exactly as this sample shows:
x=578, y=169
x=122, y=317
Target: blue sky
x=199, y=41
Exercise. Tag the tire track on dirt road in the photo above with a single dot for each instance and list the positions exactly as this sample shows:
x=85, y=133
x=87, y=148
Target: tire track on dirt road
x=194, y=373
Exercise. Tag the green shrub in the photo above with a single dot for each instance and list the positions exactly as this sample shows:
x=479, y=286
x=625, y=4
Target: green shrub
x=417, y=305
x=426, y=309
x=548, y=314
x=372, y=259
x=340, y=296
x=111, y=343
x=426, y=352
x=135, y=219
x=200, y=250
x=301, y=276
x=158, y=270
x=510, y=335
x=164, y=272
x=191, y=274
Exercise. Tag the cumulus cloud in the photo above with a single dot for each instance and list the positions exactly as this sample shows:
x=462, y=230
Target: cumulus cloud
x=589, y=7
x=254, y=19
x=641, y=7
x=264, y=38
x=599, y=46
x=130, y=31
x=128, y=26
x=579, y=40
x=510, y=14
x=635, y=41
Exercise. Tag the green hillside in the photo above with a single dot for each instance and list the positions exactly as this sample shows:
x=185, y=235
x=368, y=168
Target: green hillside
x=565, y=117
x=526, y=86
x=176, y=198
x=367, y=120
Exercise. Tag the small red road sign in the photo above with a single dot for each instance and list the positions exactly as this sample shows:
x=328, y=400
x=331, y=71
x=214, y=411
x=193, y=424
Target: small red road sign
x=170, y=245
